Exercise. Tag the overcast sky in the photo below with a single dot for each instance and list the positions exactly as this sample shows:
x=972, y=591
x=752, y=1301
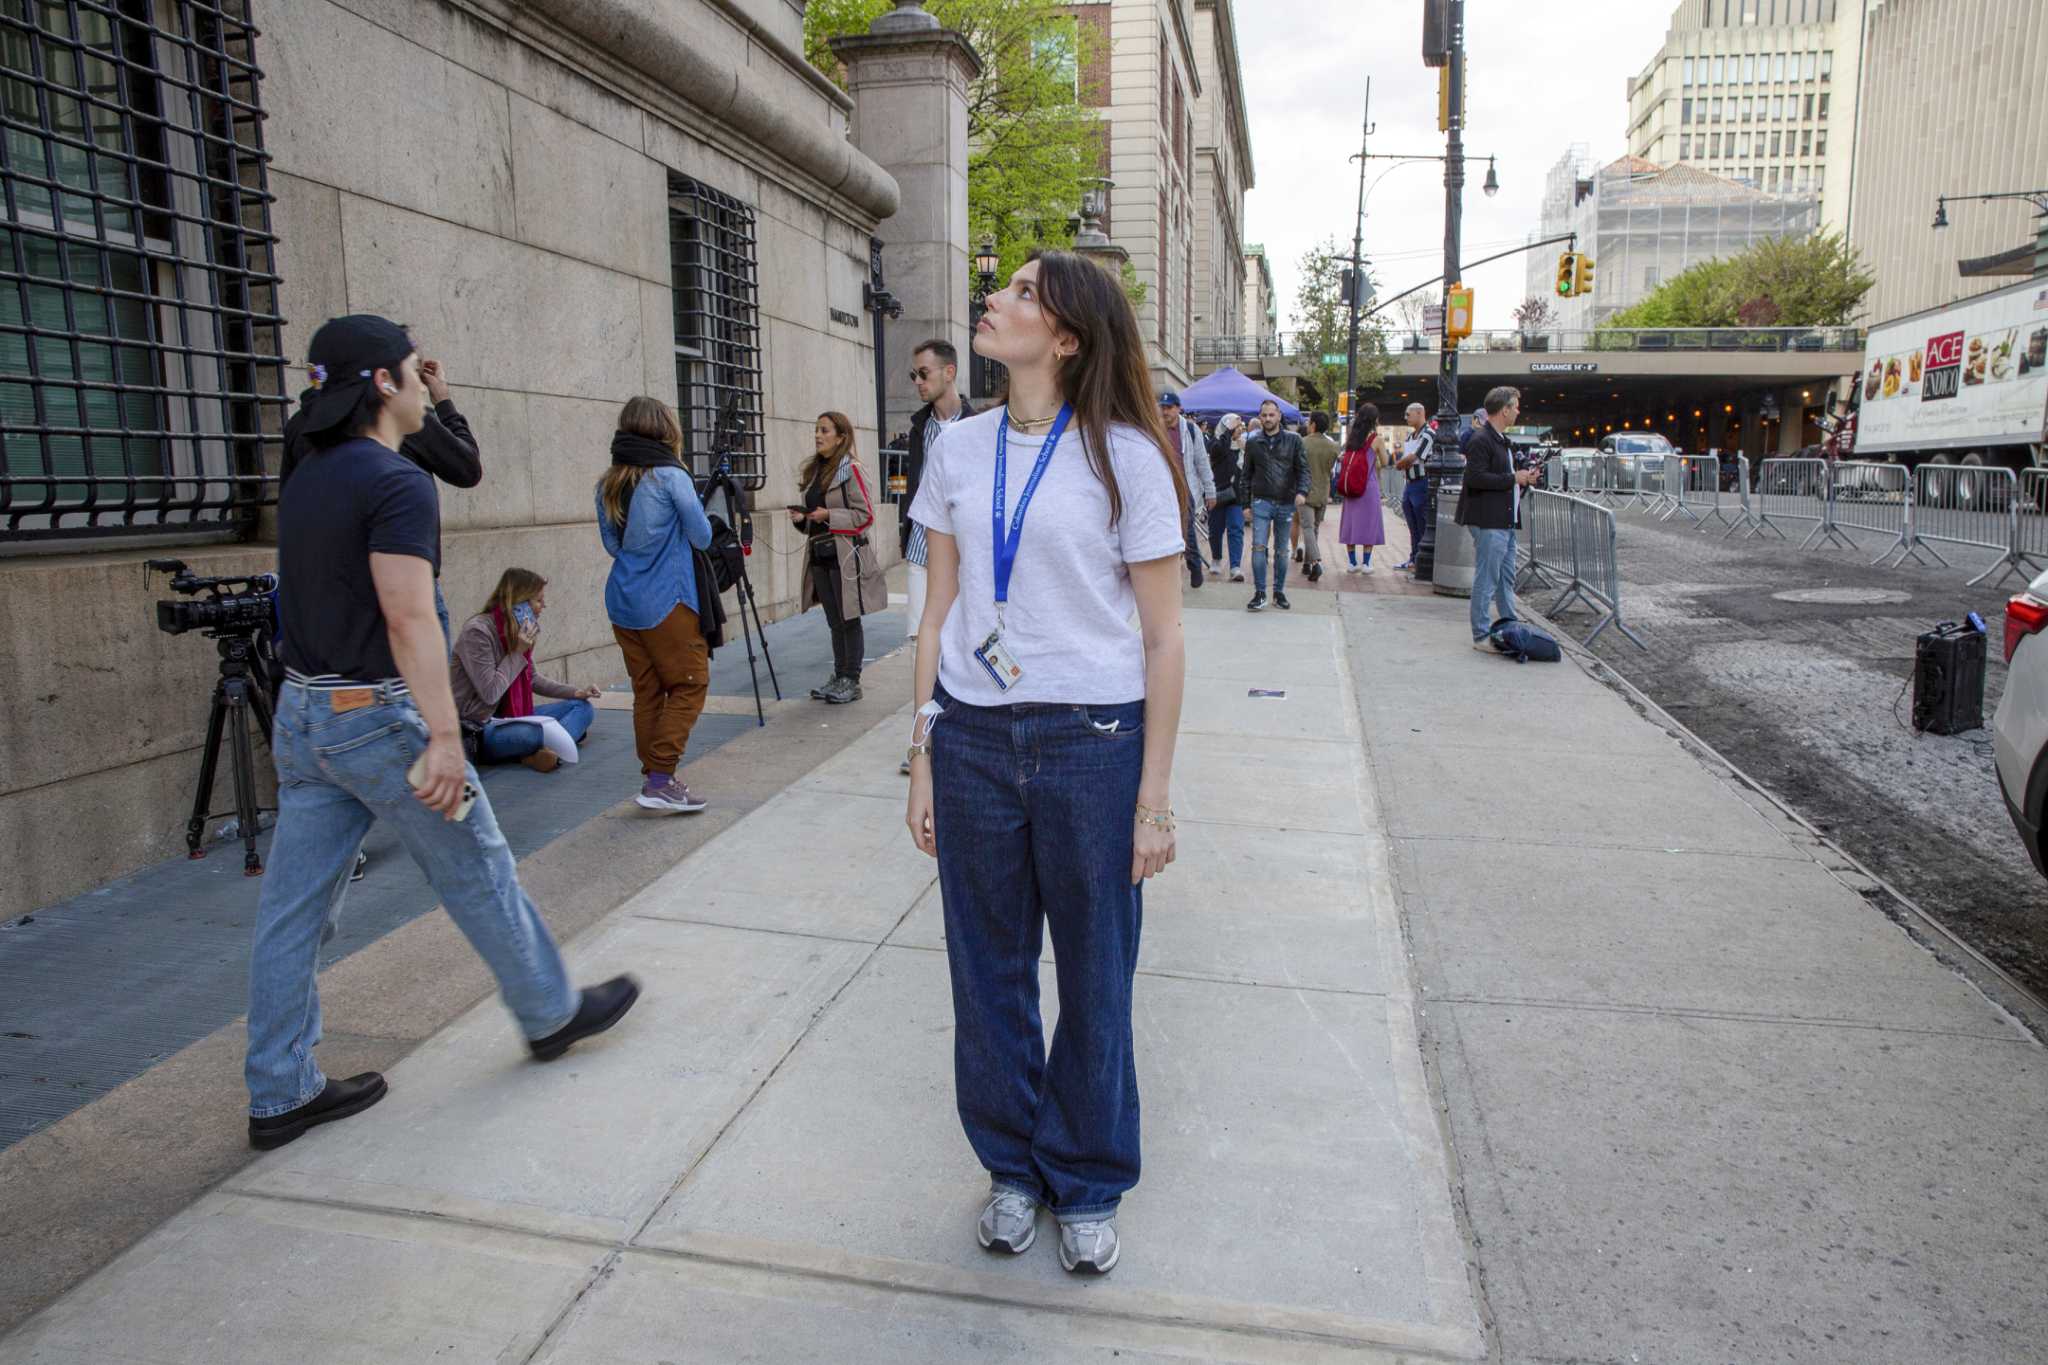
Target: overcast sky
x=1540, y=75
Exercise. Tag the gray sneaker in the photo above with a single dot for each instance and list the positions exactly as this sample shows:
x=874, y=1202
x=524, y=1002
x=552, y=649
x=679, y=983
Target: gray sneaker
x=1009, y=1221
x=823, y=689
x=842, y=691
x=1089, y=1248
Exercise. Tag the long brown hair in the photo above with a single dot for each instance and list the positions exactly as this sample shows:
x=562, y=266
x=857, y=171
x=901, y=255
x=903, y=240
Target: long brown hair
x=1365, y=425
x=821, y=468
x=514, y=586
x=1106, y=379
x=642, y=416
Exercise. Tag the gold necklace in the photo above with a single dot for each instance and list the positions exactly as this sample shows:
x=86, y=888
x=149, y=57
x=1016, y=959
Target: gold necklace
x=1026, y=423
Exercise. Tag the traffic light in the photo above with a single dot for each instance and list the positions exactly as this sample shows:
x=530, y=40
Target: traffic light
x=1344, y=405
x=1582, y=284
x=1567, y=274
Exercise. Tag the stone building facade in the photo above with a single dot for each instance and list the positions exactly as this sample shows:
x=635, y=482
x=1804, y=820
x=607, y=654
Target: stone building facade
x=569, y=202
x=1223, y=173
x=1261, y=305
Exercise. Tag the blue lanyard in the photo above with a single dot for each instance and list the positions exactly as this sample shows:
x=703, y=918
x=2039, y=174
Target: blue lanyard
x=1006, y=544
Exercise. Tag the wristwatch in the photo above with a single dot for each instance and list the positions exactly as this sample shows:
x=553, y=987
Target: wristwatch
x=916, y=749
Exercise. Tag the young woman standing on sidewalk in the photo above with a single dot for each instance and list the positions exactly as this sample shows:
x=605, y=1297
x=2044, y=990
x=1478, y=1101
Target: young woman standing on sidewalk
x=1363, y=523
x=841, y=569
x=649, y=518
x=1042, y=751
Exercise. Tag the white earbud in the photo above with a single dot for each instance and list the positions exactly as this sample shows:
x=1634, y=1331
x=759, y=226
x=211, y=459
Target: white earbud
x=387, y=388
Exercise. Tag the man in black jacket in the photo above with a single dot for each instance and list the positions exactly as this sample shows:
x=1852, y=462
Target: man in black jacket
x=1276, y=467
x=1487, y=504
x=935, y=370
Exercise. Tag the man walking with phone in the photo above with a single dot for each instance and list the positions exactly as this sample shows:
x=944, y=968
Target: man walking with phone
x=1487, y=505
x=366, y=729
x=1277, y=469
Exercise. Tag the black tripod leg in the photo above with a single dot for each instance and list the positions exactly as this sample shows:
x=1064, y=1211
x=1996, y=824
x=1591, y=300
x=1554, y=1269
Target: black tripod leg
x=753, y=604
x=747, y=633
x=243, y=756
x=195, y=828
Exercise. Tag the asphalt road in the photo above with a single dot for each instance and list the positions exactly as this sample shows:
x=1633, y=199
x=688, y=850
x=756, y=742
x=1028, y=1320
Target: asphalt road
x=1813, y=699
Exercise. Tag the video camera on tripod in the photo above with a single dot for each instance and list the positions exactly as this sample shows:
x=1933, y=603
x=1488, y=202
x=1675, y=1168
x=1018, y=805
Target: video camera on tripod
x=239, y=614
x=732, y=540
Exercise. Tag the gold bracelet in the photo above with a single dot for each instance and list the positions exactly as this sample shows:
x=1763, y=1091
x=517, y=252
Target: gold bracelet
x=1158, y=819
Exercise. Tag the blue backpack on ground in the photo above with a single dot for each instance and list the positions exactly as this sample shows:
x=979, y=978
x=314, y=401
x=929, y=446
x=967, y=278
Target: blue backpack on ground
x=1523, y=642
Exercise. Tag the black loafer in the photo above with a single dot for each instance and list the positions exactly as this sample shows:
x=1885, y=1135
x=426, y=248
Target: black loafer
x=602, y=1007
x=339, y=1100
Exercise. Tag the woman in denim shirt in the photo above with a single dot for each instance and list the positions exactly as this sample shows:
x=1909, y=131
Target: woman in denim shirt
x=649, y=518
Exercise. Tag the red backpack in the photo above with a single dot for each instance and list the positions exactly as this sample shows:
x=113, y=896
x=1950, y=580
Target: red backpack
x=1354, y=473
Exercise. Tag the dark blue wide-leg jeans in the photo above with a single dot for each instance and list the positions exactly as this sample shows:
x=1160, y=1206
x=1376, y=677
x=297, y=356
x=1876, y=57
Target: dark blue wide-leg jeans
x=1033, y=811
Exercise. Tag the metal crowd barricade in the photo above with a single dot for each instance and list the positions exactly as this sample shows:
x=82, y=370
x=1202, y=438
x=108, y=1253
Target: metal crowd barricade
x=1865, y=495
x=1695, y=488
x=1974, y=505
x=1790, y=490
x=1745, y=515
x=1573, y=539
x=1547, y=541
x=2030, y=525
x=1553, y=473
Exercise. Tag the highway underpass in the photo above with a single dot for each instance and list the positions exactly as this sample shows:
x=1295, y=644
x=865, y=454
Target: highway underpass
x=1756, y=390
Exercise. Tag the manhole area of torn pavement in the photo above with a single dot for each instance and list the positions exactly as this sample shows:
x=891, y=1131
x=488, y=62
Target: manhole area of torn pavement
x=1843, y=597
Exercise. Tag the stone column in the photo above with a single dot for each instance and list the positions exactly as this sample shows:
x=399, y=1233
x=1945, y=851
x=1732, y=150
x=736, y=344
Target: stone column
x=909, y=78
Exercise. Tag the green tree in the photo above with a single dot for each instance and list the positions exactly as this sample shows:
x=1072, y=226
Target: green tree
x=1032, y=141
x=1814, y=281
x=1321, y=323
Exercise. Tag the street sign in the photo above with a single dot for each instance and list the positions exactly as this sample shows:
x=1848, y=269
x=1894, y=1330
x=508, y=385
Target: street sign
x=1333, y=360
x=1564, y=367
x=1432, y=317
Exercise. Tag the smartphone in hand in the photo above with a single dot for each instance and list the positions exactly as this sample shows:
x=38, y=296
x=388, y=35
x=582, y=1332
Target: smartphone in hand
x=416, y=777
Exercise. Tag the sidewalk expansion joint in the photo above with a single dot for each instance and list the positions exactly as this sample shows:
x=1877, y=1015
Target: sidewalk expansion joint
x=1727, y=1016
x=1584, y=844
x=762, y=929
x=1205, y=978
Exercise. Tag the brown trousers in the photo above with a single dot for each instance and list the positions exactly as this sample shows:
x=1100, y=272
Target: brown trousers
x=671, y=672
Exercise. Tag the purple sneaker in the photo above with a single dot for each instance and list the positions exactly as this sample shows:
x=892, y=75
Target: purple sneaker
x=665, y=794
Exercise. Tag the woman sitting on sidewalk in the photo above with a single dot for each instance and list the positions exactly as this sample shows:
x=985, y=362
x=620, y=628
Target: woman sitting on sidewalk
x=495, y=681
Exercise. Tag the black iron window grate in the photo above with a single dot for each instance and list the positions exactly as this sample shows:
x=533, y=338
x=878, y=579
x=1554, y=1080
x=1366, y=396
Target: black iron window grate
x=139, y=329
x=718, y=331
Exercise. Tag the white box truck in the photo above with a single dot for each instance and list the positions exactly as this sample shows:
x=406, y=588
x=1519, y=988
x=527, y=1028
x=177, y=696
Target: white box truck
x=1966, y=383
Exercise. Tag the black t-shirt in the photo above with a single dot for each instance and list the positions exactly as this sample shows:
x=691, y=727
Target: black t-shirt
x=341, y=504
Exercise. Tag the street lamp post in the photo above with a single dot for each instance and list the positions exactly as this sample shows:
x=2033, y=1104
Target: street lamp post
x=2038, y=198
x=1357, y=252
x=983, y=374
x=1444, y=460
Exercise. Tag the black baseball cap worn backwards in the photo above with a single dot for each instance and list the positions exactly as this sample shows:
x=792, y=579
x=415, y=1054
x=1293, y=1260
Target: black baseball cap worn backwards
x=344, y=356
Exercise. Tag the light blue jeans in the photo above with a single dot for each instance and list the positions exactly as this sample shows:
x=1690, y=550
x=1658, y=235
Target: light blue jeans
x=1493, y=578
x=1274, y=519
x=337, y=772
x=508, y=741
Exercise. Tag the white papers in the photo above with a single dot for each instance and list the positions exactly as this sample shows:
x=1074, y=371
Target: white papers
x=553, y=737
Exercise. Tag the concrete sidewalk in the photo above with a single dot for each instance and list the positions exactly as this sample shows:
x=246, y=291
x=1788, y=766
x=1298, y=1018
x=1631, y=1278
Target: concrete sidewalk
x=765, y=1163
x=1652, y=1079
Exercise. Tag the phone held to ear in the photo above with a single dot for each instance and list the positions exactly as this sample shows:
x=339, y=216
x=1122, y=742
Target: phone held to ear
x=523, y=613
x=416, y=777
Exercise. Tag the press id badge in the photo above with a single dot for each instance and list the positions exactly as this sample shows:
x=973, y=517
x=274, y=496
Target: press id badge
x=1003, y=670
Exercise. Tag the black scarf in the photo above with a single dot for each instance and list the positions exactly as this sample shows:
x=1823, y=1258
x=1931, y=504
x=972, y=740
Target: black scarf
x=638, y=450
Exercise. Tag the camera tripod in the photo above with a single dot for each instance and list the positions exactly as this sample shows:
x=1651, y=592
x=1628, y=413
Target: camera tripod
x=722, y=490
x=240, y=695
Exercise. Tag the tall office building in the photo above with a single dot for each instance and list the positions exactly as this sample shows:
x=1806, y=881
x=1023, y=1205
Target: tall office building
x=1223, y=173
x=1952, y=105
x=1763, y=92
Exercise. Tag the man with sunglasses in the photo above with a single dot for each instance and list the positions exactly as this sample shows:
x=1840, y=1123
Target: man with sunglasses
x=935, y=370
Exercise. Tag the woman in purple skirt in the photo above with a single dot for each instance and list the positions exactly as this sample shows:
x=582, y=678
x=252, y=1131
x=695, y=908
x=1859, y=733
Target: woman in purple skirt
x=1363, y=524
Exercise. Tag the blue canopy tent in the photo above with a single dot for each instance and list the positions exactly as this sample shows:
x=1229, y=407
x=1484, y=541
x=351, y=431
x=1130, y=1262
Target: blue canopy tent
x=1229, y=390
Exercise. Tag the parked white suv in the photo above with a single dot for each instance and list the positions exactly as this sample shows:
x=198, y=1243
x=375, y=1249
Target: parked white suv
x=2019, y=729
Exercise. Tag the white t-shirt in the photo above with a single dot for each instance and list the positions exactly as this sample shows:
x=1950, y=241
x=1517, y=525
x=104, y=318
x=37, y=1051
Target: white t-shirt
x=1068, y=620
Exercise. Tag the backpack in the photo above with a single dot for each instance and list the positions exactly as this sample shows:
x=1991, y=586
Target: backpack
x=1354, y=472
x=1523, y=642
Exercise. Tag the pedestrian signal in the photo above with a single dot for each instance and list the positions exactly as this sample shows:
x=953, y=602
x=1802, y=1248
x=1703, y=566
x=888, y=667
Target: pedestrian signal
x=1582, y=283
x=1567, y=274
x=1458, y=311
x=1343, y=405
